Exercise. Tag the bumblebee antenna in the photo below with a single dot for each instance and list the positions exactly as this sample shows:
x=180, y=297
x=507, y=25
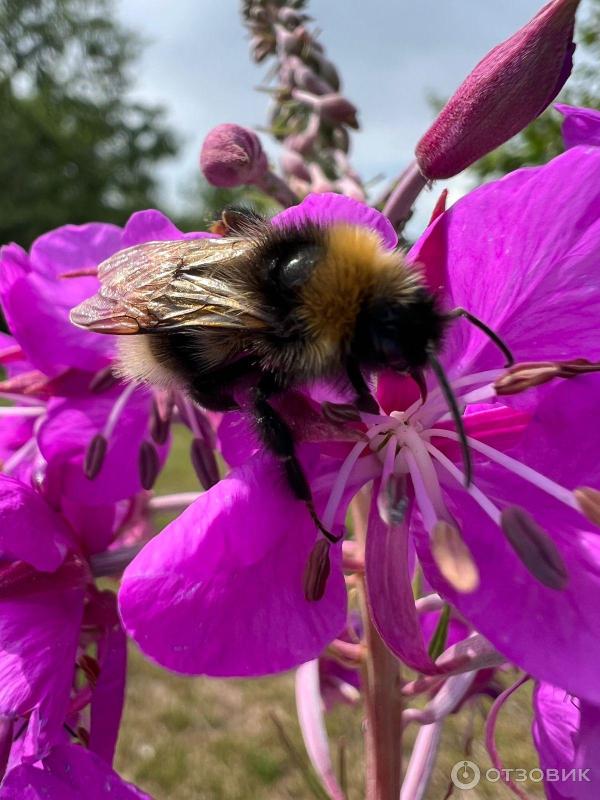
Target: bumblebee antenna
x=492, y=335
x=450, y=398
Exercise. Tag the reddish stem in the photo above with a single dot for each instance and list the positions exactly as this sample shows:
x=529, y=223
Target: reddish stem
x=382, y=688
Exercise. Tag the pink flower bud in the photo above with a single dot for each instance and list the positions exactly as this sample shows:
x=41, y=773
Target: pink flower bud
x=232, y=156
x=292, y=163
x=506, y=91
x=332, y=107
x=303, y=77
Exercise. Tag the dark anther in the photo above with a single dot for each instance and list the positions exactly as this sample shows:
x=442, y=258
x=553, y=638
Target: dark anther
x=536, y=550
x=317, y=571
x=94, y=457
x=148, y=465
x=204, y=463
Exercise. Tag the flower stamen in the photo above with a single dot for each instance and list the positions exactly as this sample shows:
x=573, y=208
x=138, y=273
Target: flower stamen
x=453, y=557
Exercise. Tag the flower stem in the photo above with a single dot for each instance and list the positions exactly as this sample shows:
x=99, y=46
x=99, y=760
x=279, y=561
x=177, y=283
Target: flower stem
x=276, y=188
x=398, y=207
x=383, y=700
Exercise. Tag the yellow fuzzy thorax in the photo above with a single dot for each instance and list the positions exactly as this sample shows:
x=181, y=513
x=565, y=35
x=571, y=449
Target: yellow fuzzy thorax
x=356, y=267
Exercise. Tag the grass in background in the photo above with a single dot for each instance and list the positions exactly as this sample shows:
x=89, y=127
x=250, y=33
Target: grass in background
x=203, y=739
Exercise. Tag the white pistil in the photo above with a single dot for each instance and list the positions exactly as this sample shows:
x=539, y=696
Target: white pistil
x=416, y=446
x=512, y=465
x=476, y=493
x=340, y=484
x=20, y=455
x=117, y=410
x=422, y=495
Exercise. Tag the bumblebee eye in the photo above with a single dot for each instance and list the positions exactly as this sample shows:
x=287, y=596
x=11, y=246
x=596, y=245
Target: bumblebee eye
x=292, y=269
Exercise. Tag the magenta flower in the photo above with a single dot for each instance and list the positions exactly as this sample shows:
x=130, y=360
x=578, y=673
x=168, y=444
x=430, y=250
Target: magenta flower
x=68, y=772
x=51, y=614
x=92, y=425
x=511, y=550
x=566, y=732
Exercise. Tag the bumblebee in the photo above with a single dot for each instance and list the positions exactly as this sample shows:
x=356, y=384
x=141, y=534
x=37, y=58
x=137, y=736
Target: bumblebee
x=266, y=308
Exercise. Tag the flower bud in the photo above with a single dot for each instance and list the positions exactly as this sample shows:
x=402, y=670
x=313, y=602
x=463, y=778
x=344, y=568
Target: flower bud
x=333, y=107
x=232, y=156
x=303, y=77
x=292, y=163
x=506, y=91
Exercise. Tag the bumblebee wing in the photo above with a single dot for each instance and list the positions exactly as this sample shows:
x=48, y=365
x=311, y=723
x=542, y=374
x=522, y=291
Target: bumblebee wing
x=159, y=286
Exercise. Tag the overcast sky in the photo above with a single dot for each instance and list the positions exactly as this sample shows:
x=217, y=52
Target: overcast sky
x=390, y=53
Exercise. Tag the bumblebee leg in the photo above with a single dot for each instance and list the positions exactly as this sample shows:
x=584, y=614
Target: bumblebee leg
x=277, y=437
x=364, y=399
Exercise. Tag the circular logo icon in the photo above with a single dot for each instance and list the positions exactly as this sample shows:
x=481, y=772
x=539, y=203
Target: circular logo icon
x=465, y=775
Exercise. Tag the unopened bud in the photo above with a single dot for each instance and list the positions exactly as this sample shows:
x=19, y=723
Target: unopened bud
x=290, y=42
x=333, y=107
x=302, y=76
x=317, y=571
x=453, y=558
x=536, y=550
x=506, y=91
x=148, y=465
x=94, y=457
x=290, y=16
x=292, y=163
x=589, y=503
x=232, y=156
x=204, y=463
x=326, y=68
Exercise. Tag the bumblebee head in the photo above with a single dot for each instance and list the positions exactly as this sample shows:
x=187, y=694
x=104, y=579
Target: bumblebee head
x=397, y=332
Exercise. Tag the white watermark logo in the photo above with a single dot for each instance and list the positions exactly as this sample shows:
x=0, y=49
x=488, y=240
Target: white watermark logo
x=467, y=775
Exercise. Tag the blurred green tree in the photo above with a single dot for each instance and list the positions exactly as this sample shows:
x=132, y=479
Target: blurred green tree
x=73, y=146
x=542, y=140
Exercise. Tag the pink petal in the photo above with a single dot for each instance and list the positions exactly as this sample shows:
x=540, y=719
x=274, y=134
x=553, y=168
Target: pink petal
x=29, y=529
x=533, y=278
x=329, y=208
x=68, y=773
x=510, y=607
x=581, y=125
x=220, y=590
x=153, y=226
x=390, y=595
x=309, y=705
